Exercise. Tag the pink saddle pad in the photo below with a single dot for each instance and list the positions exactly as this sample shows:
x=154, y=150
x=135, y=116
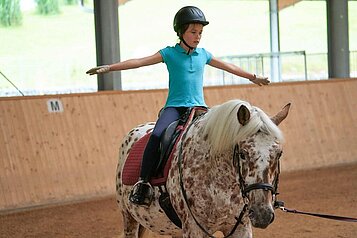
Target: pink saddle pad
x=132, y=166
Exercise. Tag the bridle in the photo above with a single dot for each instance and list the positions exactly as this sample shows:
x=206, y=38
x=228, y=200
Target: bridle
x=245, y=189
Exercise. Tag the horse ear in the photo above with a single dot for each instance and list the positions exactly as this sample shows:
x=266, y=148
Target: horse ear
x=243, y=115
x=280, y=116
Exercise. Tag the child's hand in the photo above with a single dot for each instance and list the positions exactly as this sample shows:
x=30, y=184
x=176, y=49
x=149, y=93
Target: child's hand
x=260, y=80
x=99, y=70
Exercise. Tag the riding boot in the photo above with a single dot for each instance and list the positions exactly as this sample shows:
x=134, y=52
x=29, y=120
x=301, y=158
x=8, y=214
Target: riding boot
x=142, y=193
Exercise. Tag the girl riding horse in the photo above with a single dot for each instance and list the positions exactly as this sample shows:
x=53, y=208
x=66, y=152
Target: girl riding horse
x=185, y=63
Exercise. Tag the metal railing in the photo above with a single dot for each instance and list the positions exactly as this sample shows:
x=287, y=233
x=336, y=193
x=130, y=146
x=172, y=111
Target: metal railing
x=292, y=66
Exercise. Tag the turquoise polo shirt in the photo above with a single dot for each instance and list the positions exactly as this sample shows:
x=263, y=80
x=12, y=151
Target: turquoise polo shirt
x=185, y=75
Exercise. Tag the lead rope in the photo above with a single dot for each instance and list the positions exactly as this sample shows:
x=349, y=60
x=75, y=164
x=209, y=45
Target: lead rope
x=326, y=216
x=184, y=194
x=280, y=205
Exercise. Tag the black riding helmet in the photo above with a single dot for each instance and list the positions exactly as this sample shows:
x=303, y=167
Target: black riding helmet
x=187, y=15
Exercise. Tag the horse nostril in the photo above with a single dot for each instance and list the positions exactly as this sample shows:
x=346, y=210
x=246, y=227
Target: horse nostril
x=272, y=218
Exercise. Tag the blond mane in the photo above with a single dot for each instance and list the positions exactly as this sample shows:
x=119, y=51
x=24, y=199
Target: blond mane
x=224, y=131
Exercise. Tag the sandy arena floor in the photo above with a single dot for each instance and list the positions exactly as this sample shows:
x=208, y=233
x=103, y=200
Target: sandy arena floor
x=330, y=190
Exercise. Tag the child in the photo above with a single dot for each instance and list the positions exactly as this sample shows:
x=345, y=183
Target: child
x=185, y=63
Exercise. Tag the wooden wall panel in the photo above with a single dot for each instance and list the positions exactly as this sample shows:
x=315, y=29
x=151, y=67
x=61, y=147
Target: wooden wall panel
x=51, y=157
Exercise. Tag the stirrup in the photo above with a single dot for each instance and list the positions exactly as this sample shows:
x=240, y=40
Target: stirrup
x=142, y=193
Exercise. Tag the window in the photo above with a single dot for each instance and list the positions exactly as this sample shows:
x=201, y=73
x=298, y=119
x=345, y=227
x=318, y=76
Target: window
x=48, y=54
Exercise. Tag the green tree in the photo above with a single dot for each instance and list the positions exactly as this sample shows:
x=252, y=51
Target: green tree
x=70, y=2
x=10, y=13
x=47, y=7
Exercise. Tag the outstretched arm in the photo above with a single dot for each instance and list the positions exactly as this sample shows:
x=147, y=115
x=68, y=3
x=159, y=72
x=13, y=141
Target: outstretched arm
x=231, y=68
x=127, y=64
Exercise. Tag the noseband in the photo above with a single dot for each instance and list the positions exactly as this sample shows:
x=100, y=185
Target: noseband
x=244, y=187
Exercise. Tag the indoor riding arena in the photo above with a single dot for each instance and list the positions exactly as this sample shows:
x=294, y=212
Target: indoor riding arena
x=59, y=155
x=59, y=152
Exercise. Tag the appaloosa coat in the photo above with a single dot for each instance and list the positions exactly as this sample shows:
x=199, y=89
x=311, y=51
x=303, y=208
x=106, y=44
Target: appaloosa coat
x=227, y=160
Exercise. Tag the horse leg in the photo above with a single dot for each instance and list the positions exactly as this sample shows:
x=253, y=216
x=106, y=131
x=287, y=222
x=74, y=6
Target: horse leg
x=131, y=226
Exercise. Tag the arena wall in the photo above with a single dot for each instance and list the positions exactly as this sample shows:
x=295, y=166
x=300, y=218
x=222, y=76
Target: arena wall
x=63, y=148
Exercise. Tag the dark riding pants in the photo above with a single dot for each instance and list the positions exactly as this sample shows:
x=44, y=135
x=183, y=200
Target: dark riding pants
x=151, y=153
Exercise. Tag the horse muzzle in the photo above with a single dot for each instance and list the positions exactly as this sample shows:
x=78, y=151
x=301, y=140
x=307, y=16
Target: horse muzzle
x=261, y=216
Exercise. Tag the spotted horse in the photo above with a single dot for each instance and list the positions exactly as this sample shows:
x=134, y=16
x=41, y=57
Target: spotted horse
x=223, y=177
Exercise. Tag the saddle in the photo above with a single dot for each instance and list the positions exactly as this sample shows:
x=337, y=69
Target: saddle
x=168, y=141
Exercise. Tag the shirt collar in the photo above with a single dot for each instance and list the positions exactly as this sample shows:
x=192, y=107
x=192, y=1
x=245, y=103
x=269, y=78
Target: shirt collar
x=182, y=50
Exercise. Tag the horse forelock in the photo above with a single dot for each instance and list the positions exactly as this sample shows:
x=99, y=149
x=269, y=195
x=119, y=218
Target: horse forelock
x=224, y=131
x=268, y=126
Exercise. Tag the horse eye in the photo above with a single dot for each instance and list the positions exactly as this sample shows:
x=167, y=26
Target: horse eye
x=241, y=155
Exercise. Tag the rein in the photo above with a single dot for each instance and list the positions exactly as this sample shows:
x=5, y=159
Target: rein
x=326, y=216
x=238, y=219
x=245, y=189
